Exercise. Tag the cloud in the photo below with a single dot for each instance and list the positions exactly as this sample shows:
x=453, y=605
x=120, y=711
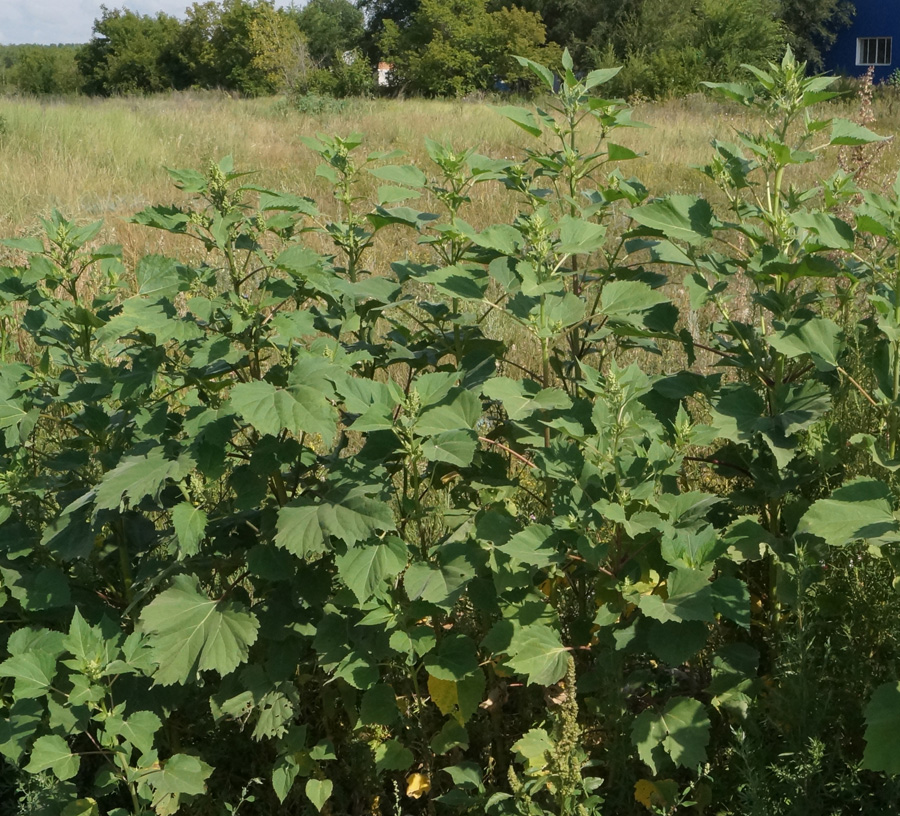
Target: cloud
x=48, y=21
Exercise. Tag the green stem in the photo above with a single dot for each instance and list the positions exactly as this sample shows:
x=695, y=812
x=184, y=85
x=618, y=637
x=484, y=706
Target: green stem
x=457, y=337
x=124, y=563
x=894, y=418
x=135, y=802
x=545, y=374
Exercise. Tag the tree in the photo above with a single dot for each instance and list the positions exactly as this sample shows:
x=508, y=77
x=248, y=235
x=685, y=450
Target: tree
x=42, y=69
x=280, y=48
x=453, y=48
x=128, y=53
x=197, y=62
x=234, y=45
x=670, y=46
x=813, y=26
x=231, y=45
x=332, y=28
x=377, y=11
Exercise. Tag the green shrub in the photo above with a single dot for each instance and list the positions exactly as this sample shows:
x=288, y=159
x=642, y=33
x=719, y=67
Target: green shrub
x=491, y=532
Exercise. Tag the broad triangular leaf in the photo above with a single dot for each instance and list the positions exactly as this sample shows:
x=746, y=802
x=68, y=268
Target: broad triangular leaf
x=190, y=525
x=270, y=410
x=350, y=514
x=861, y=509
x=319, y=791
x=681, y=728
x=137, y=477
x=537, y=652
x=188, y=632
x=367, y=568
x=53, y=753
x=883, y=730
x=180, y=775
x=680, y=217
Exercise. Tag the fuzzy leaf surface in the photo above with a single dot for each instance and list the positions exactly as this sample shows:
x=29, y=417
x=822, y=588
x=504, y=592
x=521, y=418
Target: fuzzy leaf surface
x=188, y=633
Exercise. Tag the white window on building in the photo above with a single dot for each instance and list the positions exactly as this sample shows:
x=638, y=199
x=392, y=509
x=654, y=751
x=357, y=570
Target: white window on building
x=873, y=51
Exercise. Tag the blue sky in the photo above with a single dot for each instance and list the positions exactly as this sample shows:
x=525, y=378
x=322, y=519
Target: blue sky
x=68, y=21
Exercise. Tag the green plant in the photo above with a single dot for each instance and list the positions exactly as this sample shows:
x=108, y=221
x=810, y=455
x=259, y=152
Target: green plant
x=271, y=516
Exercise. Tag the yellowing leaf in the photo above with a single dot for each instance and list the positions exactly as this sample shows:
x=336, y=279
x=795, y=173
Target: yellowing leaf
x=659, y=794
x=459, y=700
x=81, y=807
x=444, y=694
x=417, y=784
x=643, y=792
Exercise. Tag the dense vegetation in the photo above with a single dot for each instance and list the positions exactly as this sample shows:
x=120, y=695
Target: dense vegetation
x=447, y=48
x=513, y=528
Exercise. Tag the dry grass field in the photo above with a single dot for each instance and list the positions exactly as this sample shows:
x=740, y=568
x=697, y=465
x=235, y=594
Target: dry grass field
x=105, y=159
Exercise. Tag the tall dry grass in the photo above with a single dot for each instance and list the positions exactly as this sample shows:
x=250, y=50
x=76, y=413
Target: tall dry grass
x=105, y=159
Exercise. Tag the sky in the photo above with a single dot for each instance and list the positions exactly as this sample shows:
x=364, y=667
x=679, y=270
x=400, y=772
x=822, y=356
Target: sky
x=68, y=21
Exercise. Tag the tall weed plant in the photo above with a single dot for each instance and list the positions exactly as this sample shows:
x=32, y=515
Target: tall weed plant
x=479, y=535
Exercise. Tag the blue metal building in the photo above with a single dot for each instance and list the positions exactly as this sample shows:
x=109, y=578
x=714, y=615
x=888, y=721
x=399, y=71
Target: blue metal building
x=870, y=40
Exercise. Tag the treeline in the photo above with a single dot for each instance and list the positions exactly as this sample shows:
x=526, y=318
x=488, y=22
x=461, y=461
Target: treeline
x=39, y=69
x=435, y=47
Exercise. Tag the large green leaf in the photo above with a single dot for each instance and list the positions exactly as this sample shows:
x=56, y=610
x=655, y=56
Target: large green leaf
x=534, y=748
x=190, y=526
x=188, y=632
x=737, y=414
x=137, y=729
x=181, y=775
x=542, y=72
x=676, y=643
x=42, y=588
x=623, y=298
x=883, y=730
x=392, y=755
x=679, y=217
x=681, y=729
x=434, y=583
x=158, y=276
x=53, y=753
x=861, y=509
x=522, y=398
x=845, y=132
x=455, y=659
x=810, y=334
x=454, y=447
x=522, y=117
x=691, y=548
x=270, y=410
x=137, y=477
x=379, y=706
x=830, y=231
x=367, y=568
x=33, y=673
x=20, y=726
x=319, y=791
x=501, y=238
x=534, y=547
x=458, y=411
x=577, y=236
x=148, y=318
x=689, y=598
x=401, y=174
x=537, y=652
x=87, y=642
x=349, y=514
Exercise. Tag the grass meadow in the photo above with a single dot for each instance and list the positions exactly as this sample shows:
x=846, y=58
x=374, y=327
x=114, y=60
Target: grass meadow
x=105, y=159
